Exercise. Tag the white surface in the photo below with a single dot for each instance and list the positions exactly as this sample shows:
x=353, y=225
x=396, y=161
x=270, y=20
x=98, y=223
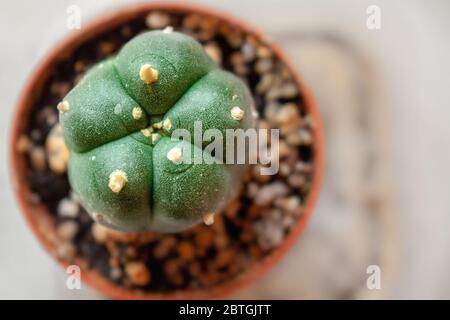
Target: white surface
x=411, y=53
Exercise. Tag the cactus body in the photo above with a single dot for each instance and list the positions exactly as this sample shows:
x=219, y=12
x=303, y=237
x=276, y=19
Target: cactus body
x=117, y=124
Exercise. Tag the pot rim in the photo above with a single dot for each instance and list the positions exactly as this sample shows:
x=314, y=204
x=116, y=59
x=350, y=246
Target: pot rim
x=95, y=27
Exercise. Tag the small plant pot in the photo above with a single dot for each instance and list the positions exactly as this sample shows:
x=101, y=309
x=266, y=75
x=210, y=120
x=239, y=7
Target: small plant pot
x=39, y=206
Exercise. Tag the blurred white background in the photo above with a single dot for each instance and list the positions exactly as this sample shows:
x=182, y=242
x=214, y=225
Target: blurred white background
x=396, y=78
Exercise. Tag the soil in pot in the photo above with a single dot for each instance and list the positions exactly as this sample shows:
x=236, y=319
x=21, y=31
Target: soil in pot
x=201, y=258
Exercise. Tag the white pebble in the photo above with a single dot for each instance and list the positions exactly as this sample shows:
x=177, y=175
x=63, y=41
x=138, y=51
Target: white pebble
x=157, y=20
x=248, y=52
x=270, y=234
x=269, y=192
x=68, y=208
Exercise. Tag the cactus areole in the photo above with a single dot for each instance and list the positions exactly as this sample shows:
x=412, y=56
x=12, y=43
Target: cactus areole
x=124, y=163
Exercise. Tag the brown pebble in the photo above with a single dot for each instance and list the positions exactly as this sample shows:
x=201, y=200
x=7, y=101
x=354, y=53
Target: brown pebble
x=114, y=262
x=209, y=23
x=252, y=189
x=103, y=234
x=236, y=58
x=172, y=271
x=254, y=212
x=297, y=180
x=146, y=237
x=191, y=21
x=165, y=245
x=47, y=115
x=263, y=52
x=209, y=278
x=241, y=70
x=204, y=239
x=256, y=252
x=293, y=139
x=78, y=67
x=207, y=28
x=264, y=84
x=36, y=135
x=232, y=34
x=138, y=273
x=33, y=198
x=113, y=249
x=186, y=251
x=23, y=144
x=60, y=89
x=285, y=73
x=67, y=230
x=213, y=51
x=172, y=266
x=106, y=47
x=195, y=269
x=284, y=149
x=57, y=151
x=263, y=65
x=232, y=209
x=99, y=232
x=221, y=240
x=66, y=251
x=247, y=234
x=224, y=258
x=257, y=174
x=126, y=31
x=131, y=252
x=288, y=221
x=38, y=160
x=115, y=273
x=219, y=227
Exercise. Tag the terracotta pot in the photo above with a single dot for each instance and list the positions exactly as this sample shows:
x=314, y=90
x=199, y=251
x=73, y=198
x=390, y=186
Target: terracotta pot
x=39, y=218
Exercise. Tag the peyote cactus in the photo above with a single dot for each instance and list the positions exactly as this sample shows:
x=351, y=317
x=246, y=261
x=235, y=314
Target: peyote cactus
x=117, y=124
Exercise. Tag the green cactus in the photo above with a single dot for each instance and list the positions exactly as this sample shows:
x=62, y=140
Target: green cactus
x=117, y=124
